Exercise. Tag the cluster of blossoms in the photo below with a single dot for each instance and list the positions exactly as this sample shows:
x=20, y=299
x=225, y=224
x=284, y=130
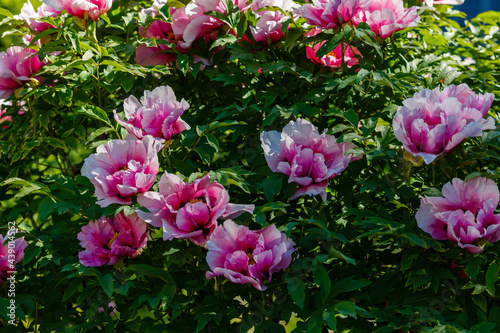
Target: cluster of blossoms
x=124, y=169
x=383, y=16
x=84, y=9
x=433, y=122
x=9, y=260
x=309, y=159
x=465, y=215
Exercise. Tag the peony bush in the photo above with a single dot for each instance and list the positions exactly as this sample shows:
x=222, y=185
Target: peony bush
x=249, y=166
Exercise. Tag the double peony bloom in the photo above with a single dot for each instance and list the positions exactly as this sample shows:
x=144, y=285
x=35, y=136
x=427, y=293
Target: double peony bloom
x=309, y=159
x=7, y=264
x=84, y=9
x=17, y=66
x=121, y=169
x=465, y=215
x=108, y=239
x=383, y=16
x=157, y=114
x=188, y=210
x=433, y=122
x=247, y=256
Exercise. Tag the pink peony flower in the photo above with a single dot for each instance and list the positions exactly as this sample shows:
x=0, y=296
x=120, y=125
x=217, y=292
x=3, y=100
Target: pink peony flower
x=8, y=260
x=268, y=27
x=188, y=210
x=84, y=9
x=330, y=14
x=310, y=159
x=191, y=23
x=106, y=240
x=121, y=169
x=157, y=114
x=157, y=55
x=387, y=16
x=30, y=16
x=465, y=215
x=246, y=256
x=433, y=122
x=334, y=58
x=17, y=66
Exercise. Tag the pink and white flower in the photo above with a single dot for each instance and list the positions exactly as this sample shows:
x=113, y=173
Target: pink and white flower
x=84, y=9
x=310, y=159
x=106, y=240
x=465, y=215
x=121, y=169
x=157, y=114
x=330, y=14
x=246, y=256
x=8, y=260
x=31, y=17
x=433, y=122
x=191, y=23
x=188, y=210
x=387, y=16
x=17, y=66
x=268, y=28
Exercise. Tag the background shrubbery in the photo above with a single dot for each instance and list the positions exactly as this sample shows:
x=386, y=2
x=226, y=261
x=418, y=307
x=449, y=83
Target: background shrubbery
x=361, y=263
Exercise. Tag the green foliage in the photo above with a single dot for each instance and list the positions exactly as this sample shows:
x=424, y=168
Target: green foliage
x=361, y=264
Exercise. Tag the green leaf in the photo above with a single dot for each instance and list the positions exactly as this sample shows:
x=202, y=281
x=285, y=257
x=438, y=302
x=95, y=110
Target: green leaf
x=323, y=280
x=183, y=61
x=71, y=289
x=415, y=239
x=271, y=186
x=151, y=271
x=348, y=284
x=485, y=327
x=481, y=302
x=492, y=277
x=346, y=308
x=106, y=282
x=32, y=251
x=316, y=321
x=5, y=12
x=296, y=288
x=472, y=267
x=330, y=45
x=329, y=318
x=224, y=40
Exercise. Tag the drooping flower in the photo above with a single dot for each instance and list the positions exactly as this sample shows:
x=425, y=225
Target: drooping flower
x=310, y=159
x=465, y=215
x=191, y=23
x=246, y=256
x=330, y=14
x=106, y=240
x=387, y=16
x=188, y=210
x=17, y=66
x=121, y=169
x=84, y=9
x=157, y=114
x=433, y=122
x=8, y=264
x=31, y=17
x=335, y=58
